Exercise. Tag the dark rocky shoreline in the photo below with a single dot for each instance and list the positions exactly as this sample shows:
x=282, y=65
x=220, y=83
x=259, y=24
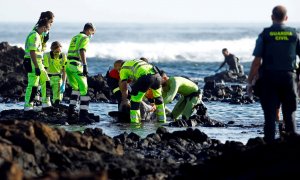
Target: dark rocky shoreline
x=33, y=150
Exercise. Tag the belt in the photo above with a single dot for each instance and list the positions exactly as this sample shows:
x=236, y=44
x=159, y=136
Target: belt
x=51, y=75
x=74, y=63
x=73, y=58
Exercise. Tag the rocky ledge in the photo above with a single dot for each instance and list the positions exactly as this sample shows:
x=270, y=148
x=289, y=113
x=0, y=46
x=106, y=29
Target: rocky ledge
x=33, y=150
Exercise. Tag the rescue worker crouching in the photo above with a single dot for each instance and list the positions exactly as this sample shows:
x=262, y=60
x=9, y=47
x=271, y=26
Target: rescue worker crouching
x=189, y=91
x=34, y=66
x=144, y=77
x=77, y=71
x=54, y=62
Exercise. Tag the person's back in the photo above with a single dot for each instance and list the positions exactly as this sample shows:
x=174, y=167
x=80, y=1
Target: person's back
x=275, y=57
x=189, y=91
x=180, y=85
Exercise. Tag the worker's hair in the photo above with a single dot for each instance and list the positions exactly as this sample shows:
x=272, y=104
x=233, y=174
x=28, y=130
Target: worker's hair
x=119, y=62
x=279, y=13
x=224, y=49
x=45, y=15
x=162, y=73
x=144, y=59
x=55, y=45
x=43, y=22
x=88, y=26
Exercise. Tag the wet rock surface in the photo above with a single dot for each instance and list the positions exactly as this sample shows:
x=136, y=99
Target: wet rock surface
x=53, y=115
x=232, y=94
x=30, y=149
x=226, y=76
x=201, y=118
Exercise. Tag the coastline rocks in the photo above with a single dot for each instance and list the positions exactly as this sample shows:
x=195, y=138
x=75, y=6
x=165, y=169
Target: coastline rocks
x=30, y=149
x=201, y=118
x=57, y=115
x=233, y=94
x=12, y=75
x=226, y=76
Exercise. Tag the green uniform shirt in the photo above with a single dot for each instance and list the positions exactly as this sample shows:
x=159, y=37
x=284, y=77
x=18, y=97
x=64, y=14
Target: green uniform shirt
x=54, y=64
x=78, y=42
x=178, y=85
x=133, y=69
x=34, y=43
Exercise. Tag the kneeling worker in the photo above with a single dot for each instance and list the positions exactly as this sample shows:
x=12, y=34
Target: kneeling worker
x=189, y=91
x=54, y=62
x=144, y=76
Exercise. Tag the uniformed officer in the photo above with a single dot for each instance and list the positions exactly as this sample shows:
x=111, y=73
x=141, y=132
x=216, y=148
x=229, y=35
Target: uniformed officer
x=35, y=68
x=275, y=62
x=54, y=62
x=77, y=71
x=144, y=76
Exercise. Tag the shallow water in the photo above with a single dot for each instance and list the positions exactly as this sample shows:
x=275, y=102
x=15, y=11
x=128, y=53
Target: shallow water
x=248, y=121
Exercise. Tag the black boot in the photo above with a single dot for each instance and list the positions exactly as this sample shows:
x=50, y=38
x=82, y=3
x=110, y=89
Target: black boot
x=84, y=117
x=72, y=117
x=56, y=103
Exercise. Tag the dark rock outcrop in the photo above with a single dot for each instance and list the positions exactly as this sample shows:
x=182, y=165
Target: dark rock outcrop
x=57, y=115
x=233, y=94
x=226, y=76
x=30, y=149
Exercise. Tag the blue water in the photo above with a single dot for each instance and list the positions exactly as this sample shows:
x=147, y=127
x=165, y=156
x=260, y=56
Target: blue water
x=192, y=50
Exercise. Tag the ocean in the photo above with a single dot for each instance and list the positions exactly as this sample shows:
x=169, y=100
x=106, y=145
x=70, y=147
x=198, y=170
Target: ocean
x=191, y=50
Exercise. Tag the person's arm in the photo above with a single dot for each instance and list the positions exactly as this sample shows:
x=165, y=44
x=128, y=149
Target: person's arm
x=82, y=56
x=254, y=70
x=124, y=90
x=171, y=93
x=33, y=58
x=223, y=63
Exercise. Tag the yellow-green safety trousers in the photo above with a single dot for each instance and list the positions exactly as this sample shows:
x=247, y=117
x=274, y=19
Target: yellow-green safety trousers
x=33, y=83
x=76, y=79
x=185, y=107
x=55, y=82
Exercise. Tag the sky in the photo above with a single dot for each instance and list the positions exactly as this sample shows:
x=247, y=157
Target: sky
x=148, y=11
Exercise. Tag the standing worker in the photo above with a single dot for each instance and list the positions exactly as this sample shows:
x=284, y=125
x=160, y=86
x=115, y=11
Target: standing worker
x=189, y=91
x=35, y=68
x=54, y=62
x=275, y=61
x=77, y=71
x=144, y=76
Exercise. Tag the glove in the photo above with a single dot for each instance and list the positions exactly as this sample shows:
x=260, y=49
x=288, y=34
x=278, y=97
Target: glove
x=249, y=90
x=62, y=88
x=85, y=70
x=37, y=71
x=46, y=38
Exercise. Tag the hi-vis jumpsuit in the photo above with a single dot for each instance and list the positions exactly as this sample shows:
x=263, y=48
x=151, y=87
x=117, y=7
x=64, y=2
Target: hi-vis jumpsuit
x=33, y=43
x=55, y=64
x=144, y=77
